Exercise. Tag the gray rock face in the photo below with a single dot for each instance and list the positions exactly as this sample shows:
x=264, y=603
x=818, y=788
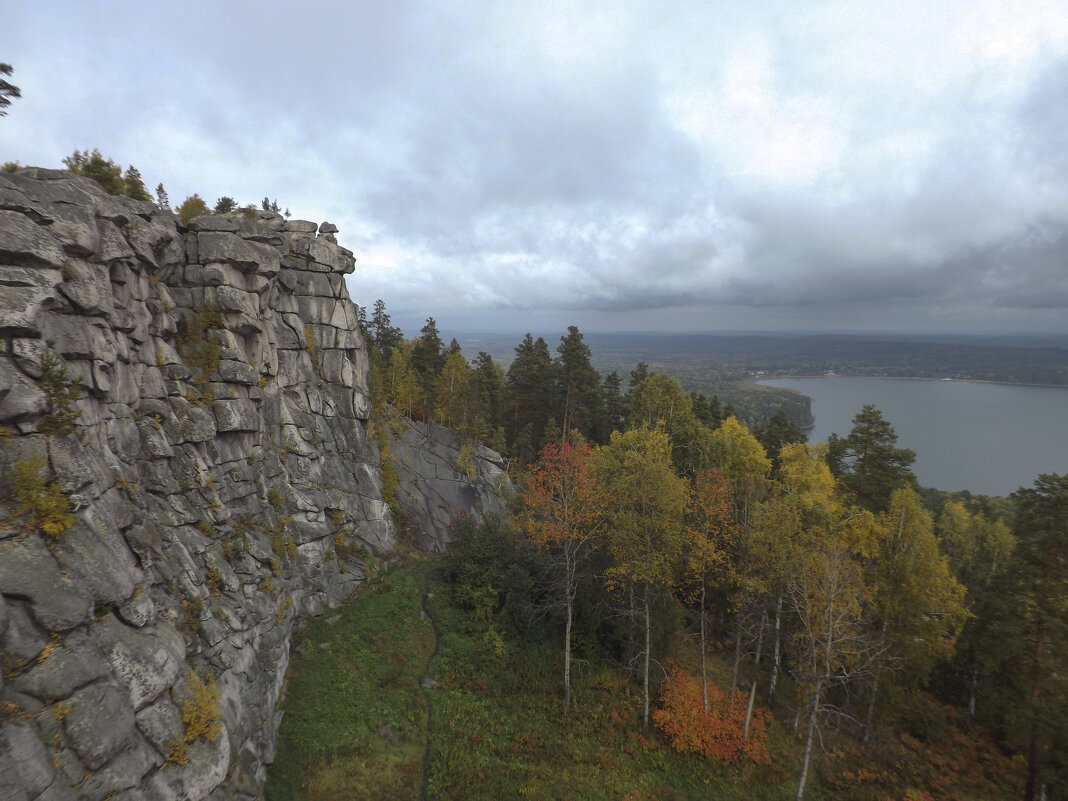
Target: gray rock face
x=100, y=723
x=440, y=477
x=221, y=435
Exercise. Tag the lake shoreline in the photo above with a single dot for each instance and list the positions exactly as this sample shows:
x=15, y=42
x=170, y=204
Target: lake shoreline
x=913, y=378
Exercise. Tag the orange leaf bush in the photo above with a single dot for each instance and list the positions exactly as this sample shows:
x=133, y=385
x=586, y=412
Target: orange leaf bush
x=718, y=733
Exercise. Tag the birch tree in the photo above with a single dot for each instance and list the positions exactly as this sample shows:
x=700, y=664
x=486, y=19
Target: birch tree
x=918, y=605
x=562, y=514
x=645, y=501
x=711, y=533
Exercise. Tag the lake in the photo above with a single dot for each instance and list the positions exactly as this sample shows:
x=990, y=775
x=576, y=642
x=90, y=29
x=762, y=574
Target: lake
x=989, y=439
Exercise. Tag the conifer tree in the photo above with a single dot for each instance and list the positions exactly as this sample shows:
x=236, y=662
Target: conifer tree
x=615, y=406
x=428, y=357
x=1030, y=625
x=7, y=90
x=578, y=385
x=384, y=334
x=224, y=205
x=93, y=165
x=868, y=461
x=134, y=185
x=487, y=383
x=530, y=382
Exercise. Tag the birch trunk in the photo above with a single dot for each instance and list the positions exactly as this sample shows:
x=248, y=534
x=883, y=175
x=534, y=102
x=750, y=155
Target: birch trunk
x=809, y=737
x=776, y=651
x=749, y=712
x=567, y=655
x=645, y=667
x=704, y=676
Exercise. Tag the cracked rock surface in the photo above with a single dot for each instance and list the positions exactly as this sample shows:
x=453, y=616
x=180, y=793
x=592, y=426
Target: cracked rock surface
x=221, y=482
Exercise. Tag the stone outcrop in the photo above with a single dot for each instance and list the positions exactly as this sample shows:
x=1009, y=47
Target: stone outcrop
x=221, y=482
x=439, y=475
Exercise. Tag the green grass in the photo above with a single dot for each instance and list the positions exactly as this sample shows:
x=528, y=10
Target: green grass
x=351, y=678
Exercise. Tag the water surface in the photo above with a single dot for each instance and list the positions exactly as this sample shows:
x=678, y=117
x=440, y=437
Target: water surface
x=989, y=439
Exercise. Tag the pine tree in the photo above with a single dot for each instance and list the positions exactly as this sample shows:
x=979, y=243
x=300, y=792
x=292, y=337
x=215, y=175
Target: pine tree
x=383, y=333
x=134, y=186
x=162, y=201
x=428, y=356
x=615, y=407
x=868, y=461
x=1030, y=625
x=7, y=90
x=777, y=433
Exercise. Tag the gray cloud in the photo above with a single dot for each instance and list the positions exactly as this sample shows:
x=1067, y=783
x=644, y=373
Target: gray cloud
x=744, y=166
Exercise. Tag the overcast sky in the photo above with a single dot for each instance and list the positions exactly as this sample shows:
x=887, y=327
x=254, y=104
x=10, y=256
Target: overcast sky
x=619, y=165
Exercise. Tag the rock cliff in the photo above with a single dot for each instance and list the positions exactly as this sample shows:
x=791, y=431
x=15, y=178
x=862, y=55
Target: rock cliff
x=163, y=534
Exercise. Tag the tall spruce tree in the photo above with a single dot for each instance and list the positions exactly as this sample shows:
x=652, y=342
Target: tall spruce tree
x=385, y=335
x=579, y=386
x=428, y=357
x=531, y=384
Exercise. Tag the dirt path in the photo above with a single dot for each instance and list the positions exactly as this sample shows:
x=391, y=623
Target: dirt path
x=427, y=684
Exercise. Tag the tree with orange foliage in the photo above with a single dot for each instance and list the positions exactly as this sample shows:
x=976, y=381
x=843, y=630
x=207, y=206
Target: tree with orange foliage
x=562, y=513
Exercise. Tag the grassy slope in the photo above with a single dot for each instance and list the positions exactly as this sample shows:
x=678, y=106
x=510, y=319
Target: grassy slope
x=356, y=671
x=500, y=731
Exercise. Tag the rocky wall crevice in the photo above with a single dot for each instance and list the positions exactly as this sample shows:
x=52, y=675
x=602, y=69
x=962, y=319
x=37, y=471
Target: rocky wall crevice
x=221, y=481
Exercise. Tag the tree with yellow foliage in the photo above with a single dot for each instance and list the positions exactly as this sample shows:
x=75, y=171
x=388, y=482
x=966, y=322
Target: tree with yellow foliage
x=645, y=502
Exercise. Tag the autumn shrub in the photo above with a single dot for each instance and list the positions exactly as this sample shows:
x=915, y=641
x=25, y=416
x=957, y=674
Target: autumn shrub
x=719, y=732
x=39, y=497
x=200, y=713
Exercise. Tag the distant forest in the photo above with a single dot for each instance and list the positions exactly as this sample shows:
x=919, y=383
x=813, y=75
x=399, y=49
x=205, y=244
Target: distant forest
x=698, y=360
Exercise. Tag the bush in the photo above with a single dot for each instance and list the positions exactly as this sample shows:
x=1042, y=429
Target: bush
x=482, y=555
x=193, y=206
x=718, y=733
x=200, y=713
x=41, y=498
